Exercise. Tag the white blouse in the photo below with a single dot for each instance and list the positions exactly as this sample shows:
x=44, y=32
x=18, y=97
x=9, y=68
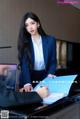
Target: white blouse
x=38, y=53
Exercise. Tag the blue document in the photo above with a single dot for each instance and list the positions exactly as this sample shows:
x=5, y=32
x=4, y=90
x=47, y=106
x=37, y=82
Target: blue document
x=59, y=87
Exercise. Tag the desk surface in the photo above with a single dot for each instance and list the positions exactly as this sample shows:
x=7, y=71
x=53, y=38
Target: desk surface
x=42, y=110
x=46, y=110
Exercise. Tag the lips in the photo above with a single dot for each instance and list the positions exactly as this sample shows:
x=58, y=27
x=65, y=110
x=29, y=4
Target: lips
x=31, y=31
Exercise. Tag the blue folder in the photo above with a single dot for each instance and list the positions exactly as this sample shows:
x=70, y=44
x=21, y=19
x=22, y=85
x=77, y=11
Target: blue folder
x=58, y=85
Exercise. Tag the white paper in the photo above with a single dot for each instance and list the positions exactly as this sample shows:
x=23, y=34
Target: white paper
x=53, y=97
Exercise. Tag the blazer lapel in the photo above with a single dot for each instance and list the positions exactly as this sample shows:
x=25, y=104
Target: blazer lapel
x=32, y=53
x=45, y=49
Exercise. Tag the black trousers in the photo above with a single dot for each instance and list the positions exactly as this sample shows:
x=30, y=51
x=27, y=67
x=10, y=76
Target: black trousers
x=37, y=76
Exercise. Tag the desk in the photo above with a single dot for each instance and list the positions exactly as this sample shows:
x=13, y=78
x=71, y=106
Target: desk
x=43, y=111
x=46, y=111
x=66, y=108
x=70, y=112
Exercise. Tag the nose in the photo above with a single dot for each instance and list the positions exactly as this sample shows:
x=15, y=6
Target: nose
x=30, y=27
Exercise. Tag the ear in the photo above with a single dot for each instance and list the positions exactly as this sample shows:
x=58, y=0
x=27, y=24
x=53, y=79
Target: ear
x=38, y=25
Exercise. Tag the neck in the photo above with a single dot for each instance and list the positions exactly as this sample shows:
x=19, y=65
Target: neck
x=36, y=37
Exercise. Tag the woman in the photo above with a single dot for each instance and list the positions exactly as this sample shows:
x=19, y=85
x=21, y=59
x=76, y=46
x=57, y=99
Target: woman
x=36, y=52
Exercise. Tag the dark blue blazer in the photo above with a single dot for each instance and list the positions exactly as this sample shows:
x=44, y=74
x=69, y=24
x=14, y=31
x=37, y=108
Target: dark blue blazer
x=49, y=53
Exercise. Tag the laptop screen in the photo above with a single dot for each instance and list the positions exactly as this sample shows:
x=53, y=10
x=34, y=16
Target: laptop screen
x=8, y=71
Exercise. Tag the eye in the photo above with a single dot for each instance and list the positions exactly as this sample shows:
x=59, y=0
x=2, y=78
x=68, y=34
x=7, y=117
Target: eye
x=26, y=25
x=32, y=22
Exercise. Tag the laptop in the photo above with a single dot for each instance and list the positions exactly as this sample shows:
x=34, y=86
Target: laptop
x=9, y=72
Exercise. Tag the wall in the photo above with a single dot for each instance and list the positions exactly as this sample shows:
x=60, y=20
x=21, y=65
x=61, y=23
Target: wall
x=62, y=21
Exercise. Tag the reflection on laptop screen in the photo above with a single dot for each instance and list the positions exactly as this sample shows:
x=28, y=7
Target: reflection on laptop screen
x=8, y=71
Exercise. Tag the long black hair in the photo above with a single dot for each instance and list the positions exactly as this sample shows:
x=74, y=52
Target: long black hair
x=24, y=37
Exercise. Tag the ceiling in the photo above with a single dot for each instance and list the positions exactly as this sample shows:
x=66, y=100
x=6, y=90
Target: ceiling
x=75, y=3
x=77, y=6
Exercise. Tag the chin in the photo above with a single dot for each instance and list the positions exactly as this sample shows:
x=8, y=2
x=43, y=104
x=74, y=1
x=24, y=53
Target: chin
x=33, y=34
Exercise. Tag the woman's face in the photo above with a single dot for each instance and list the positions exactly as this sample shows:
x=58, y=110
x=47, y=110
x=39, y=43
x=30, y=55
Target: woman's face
x=31, y=26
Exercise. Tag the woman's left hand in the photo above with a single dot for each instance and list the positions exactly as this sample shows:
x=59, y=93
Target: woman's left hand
x=51, y=76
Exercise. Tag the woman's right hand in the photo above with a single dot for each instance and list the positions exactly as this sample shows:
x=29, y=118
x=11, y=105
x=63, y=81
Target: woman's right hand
x=27, y=88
